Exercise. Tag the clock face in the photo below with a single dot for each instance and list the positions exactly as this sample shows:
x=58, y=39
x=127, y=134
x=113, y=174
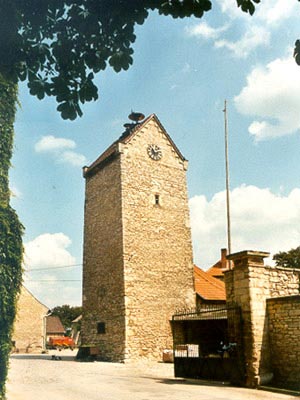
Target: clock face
x=154, y=152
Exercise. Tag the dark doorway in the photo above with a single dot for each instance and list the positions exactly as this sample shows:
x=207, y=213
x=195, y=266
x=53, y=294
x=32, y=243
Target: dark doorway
x=208, y=344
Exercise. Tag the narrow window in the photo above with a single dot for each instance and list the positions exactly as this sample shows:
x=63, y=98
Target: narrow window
x=156, y=200
x=101, y=327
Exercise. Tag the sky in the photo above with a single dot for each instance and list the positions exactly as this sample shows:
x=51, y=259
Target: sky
x=183, y=71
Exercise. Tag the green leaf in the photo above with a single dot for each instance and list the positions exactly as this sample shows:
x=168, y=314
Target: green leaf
x=247, y=5
x=37, y=88
x=121, y=60
x=68, y=110
x=297, y=52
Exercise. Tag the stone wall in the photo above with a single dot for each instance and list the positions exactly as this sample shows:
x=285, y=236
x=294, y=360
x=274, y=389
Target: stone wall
x=29, y=327
x=158, y=260
x=284, y=333
x=103, y=322
x=138, y=266
x=249, y=284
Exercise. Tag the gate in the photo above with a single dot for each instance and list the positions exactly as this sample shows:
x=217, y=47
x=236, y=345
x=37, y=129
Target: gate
x=207, y=344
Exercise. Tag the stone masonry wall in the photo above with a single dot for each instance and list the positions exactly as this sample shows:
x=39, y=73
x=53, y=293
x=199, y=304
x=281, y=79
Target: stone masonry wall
x=138, y=266
x=29, y=331
x=250, y=283
x=103, y=277
x=157, y=242
x=284, y=332
x=244, y=286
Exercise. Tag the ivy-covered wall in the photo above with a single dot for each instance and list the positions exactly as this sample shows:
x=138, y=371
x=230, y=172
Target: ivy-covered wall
x=11, y=230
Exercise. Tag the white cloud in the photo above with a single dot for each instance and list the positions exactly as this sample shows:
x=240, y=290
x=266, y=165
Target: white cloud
x=50, y=143
x=256, y=30
x=73, y=158
x=267, y=12
x=272, y=93
x=48, y=250
x=254, y=34
x=60, y=149
x=204, y=30
x=254, y=37
x=51, y=292
x=276, y=11
x=260, y=220
x=52, y=286
x=229, y=7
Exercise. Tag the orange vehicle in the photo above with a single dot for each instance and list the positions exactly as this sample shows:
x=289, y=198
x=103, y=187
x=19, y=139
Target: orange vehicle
x=63, y=342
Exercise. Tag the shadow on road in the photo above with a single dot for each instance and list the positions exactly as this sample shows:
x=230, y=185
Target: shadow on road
x=46, y=357
x=199, y=382
x=206, y=383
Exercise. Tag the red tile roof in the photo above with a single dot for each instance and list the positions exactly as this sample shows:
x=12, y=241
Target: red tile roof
x=216, y=270
x=208, y=287
x=54, y=325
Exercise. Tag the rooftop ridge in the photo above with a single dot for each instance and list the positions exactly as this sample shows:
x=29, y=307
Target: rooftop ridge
x=112, y=150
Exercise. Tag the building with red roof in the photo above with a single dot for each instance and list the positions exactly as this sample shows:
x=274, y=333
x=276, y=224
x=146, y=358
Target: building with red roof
x=209, y=290
x=216, y=271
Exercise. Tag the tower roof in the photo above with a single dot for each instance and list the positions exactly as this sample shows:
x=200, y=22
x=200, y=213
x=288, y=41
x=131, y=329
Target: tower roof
x=114, y=149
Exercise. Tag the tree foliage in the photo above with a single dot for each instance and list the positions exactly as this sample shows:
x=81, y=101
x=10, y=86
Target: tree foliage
x=66, y=314
x=288, y=259
x=10, y=231
x=297, y=51
x=59, y=45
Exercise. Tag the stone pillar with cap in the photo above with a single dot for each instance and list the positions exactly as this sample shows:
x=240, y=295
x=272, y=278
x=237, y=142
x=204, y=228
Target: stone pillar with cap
x=247, y=287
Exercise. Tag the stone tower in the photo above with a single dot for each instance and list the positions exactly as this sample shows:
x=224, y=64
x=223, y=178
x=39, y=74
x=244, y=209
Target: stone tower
x=137, y=263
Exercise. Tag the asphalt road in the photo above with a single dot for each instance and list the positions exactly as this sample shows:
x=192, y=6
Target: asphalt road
x=38, y=377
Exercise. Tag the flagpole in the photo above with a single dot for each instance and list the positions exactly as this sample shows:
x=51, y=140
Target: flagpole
x=227, y=179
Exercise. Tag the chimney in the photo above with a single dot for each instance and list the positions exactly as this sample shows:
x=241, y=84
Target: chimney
x=224, y=261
